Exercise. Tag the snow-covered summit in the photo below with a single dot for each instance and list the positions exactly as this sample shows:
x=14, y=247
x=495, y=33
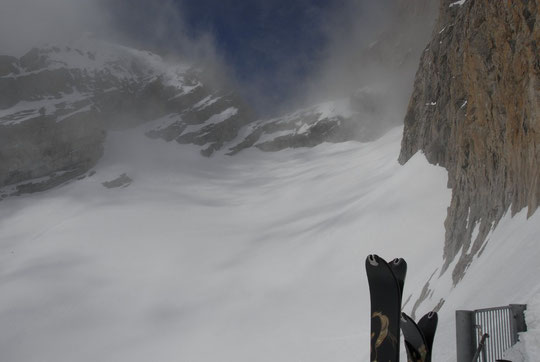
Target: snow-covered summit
x=85, y=66
x=96, y=56
x=60, y=100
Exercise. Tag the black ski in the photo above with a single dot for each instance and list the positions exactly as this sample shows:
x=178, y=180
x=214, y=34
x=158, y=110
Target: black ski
x=428, y=326
x=419, y=338
x=385, y=296
x=399, y=268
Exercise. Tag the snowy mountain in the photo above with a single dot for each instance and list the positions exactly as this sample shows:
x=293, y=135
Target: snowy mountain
x=157, y=253
x=360, y=117
x=58, y=102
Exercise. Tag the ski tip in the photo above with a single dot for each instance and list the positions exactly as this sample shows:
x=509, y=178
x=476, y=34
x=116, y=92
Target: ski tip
x=399, y=261
x=404, y=317
x=430, y=318
x=373, y=260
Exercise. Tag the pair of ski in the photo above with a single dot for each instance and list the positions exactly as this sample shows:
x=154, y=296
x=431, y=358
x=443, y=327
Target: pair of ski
x=386, y=281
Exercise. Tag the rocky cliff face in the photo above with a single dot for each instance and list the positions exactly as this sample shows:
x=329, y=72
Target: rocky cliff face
x=57, y=103
x=475, y=110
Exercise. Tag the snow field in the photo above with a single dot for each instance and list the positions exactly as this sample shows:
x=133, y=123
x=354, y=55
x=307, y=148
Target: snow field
x=256, y=257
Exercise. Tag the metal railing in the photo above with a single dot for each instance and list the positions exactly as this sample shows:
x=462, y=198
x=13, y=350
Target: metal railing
x=494, y=330
x=498, y=324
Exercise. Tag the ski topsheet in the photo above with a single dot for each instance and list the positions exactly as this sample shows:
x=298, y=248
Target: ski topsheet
x=399, y=268
x=385, y=293
x=428, y=325
x=419, y=337
x=415, y=343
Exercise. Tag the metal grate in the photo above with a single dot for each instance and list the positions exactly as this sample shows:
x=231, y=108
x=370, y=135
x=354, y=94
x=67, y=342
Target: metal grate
x=484, y=335
x=498, y=324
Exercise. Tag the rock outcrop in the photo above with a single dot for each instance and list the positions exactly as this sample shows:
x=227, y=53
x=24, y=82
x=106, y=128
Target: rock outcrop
x=475, y=110
x=57, y=103
x=360, y=117
x=42, y=153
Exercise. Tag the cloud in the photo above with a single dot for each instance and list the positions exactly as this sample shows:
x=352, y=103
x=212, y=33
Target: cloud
x=154, y=25
x=158, y=25
x=372, y=47
x=283, y=55
x=312, y=52
x=27, y=23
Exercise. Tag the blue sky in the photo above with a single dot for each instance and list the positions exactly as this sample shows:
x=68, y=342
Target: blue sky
x=277, y=42
x=270, y=47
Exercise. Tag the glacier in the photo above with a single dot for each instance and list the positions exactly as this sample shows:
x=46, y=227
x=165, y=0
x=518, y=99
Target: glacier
x=257, y=257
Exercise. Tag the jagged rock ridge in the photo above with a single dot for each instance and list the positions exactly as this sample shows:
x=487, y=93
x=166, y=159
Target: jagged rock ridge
x=475, y=110
x=360, y=117
x=57, y=103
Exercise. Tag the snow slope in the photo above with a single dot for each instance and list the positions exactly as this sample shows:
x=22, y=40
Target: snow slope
x=257, y=257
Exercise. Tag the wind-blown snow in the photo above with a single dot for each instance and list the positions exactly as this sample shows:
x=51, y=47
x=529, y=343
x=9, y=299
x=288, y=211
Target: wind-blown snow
x=256, y=257
x=96, y=55
x=457, y=3
x=295, y=123
x=335, y=108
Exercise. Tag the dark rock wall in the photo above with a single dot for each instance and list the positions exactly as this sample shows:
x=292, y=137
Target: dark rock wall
x=475, y=110
x=43, y=147
x=64, y=138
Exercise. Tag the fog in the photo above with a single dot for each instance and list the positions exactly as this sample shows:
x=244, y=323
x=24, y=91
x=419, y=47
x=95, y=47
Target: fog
x=155, y=26
x=364, y=46
x=213, y=260
x=28, y=23
x=373, y=54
